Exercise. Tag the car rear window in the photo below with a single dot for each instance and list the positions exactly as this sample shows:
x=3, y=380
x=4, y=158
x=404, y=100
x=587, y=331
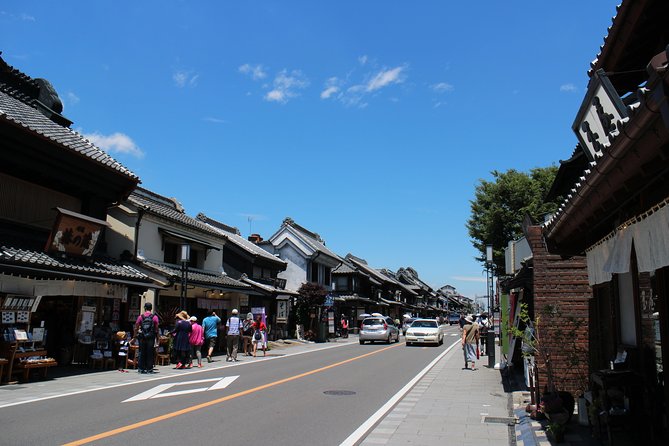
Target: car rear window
x=425, y=324
x=372, y=322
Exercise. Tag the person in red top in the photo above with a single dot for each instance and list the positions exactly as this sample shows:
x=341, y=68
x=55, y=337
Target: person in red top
x=196, y=340
x=146, y=332
x=259, y=336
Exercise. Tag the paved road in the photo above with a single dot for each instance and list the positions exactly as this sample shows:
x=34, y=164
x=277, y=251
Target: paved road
x=320, y=395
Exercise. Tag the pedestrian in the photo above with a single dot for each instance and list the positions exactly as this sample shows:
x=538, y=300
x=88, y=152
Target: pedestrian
x=462, y=321
x=484, y=326
x=470, y=339
x=196, y=340
x=233, y=328
x=259, y=336
x=247, y=334
x=181, y=335
x=344, y=326
x=146, y=332
x=210, y=326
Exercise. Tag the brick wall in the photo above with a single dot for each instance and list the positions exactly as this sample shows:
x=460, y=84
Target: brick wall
x=561, y=302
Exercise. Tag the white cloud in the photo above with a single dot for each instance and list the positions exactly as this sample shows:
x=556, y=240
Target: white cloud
x=286, y=85
x=115, y=143
x=215, y=120
x=442, y=87
x=183, y=78
x=469, y=278
x=72, y=98
x=569, y=88
x=331, y=88
x=22, y=16
x=386, y=77
x=255, y=71
x=329, y=91
x=362, y=60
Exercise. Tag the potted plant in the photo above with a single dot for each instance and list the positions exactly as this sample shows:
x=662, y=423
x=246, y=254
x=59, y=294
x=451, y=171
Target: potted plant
x=556, y=430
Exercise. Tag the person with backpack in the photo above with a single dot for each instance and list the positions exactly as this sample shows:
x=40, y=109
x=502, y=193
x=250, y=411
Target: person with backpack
x=259, y=336
x=146, y=331
x=247, y=334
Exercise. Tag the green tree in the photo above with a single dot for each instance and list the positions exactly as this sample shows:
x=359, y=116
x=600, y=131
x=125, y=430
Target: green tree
x=311, y=296
x=500, y=205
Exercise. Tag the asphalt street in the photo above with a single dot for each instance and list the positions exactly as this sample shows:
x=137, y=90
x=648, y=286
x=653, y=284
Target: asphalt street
x=322, y=395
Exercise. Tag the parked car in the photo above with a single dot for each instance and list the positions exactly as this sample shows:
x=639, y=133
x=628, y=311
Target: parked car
x=424, y=331
x=407, y=323
x=453, y=319
x=378, y=328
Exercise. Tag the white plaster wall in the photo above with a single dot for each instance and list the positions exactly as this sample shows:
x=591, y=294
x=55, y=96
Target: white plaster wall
x=296, y=272
x=121, y=234
x=150, y=241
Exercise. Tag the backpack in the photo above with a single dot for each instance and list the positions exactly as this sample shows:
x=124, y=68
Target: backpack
x=247, y=328
x=147, y=327
x=258, y=335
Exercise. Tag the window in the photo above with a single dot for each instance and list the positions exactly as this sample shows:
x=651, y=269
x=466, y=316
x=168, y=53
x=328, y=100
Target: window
x=327, y=279
x=173, y=255
x=341, y=283
x=314, y=272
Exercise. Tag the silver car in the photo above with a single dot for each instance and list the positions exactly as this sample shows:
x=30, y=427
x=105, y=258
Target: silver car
x=378, y=328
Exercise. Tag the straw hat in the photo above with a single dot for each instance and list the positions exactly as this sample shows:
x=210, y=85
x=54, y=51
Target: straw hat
x=470, y=318
x=182, y=315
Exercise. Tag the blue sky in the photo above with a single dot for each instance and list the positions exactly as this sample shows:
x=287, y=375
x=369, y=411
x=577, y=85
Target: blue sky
x=368, y=122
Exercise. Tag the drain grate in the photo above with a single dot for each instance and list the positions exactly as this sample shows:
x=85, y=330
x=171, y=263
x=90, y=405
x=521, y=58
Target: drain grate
x=509, y=421
x=339, y=392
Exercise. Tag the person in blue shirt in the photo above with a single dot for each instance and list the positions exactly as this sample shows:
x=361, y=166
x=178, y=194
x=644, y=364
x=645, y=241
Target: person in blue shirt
x=210, y=325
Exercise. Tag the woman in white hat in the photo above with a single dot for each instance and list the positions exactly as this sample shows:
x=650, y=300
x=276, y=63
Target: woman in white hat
x=470, y=339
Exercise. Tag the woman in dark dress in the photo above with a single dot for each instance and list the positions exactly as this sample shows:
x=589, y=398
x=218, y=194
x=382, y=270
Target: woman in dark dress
x=181, y=335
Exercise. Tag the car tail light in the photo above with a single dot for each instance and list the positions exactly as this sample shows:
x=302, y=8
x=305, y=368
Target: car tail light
x=385, y=326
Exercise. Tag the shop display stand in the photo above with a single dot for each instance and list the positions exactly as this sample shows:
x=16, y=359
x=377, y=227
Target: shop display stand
x=18, y=355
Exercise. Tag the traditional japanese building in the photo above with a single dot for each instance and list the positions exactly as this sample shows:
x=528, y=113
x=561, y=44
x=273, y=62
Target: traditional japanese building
x=615, y=213
x=59, y=284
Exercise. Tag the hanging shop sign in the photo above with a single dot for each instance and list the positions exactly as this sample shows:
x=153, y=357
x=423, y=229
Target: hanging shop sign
x=598, y=118
x=281, y=311
x=74, y=234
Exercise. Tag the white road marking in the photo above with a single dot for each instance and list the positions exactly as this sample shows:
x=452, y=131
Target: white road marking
x=159, y=390
x=107, y=386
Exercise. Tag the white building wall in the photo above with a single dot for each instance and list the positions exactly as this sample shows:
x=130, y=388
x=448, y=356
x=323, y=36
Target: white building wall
x=120, y=236
x=296, y=271
x=515, y=252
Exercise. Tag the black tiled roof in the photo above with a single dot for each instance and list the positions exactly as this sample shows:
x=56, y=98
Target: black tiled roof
x=167, y=208
x=310, y=238
x=19, y=110
x=233, y=236
x=196, y=276
x=49, y=264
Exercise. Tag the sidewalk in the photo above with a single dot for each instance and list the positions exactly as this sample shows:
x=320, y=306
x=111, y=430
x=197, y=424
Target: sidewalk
x=450, y=405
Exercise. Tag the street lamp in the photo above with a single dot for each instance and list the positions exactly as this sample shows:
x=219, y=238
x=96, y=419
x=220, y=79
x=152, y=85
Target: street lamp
x=489, y=284
x=185, y=258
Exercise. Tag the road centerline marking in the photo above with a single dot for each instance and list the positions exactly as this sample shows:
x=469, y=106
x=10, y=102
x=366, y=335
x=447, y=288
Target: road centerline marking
x=167, y=416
